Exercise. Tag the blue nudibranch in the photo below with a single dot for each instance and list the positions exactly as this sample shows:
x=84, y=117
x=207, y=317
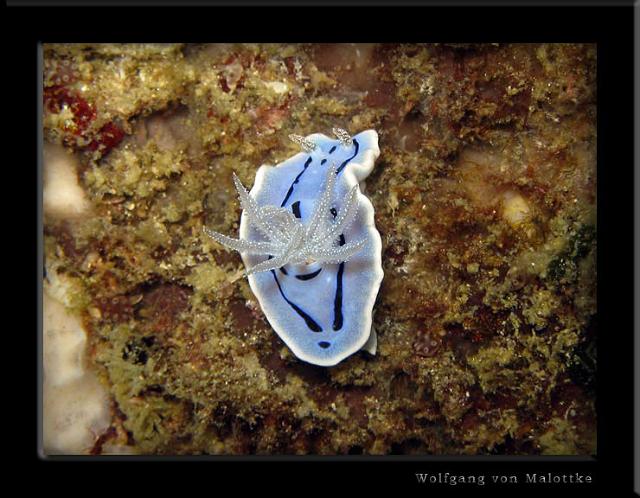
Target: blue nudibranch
x=311, y=248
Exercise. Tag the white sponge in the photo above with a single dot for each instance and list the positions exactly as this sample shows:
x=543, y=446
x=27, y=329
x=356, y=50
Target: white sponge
x=75, y=405
x=62, y=196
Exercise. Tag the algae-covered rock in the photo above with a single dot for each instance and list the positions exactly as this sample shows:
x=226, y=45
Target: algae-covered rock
x=484, y=195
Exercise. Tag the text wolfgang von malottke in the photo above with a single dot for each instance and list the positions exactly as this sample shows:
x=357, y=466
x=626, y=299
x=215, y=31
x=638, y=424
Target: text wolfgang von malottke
x=453, y=479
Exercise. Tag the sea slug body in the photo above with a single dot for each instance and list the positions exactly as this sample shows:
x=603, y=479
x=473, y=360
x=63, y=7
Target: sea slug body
x=311, y=248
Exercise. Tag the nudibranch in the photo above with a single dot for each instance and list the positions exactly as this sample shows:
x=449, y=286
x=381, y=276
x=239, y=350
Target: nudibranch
x=311, y=248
